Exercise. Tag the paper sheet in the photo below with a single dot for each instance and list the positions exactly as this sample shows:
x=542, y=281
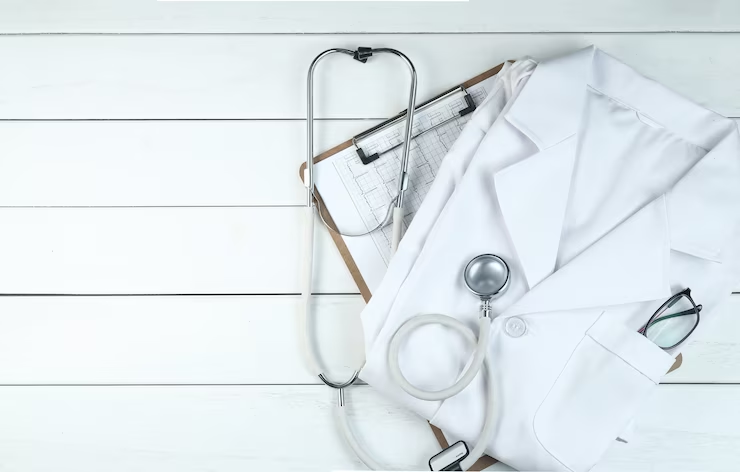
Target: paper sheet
x=357, y=195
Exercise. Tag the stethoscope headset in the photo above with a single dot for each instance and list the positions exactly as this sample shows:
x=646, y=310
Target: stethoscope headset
x=487, y=276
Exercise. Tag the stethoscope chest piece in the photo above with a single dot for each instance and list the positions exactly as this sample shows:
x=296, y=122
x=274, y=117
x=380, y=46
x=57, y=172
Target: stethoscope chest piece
x=487, y=276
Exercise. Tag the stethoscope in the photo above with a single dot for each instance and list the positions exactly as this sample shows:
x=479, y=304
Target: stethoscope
x=487, y=276
x=396, y=205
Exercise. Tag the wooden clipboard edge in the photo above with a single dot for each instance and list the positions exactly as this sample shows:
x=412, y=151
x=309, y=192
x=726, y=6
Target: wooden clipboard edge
x=677, y=363
x=485, y=461
x=338, y=241
x=343, y=249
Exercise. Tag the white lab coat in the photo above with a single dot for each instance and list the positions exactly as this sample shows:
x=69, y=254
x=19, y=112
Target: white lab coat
x=606, y=193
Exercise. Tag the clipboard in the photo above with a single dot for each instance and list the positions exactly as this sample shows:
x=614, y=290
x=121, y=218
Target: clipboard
x=485, y=461
x=338, y=240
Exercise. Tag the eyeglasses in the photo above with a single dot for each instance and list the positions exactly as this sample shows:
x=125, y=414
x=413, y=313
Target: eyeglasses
x=674, y=321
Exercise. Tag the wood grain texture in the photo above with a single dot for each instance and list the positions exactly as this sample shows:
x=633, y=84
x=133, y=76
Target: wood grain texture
x=161, y=251
x=230, y=340
x=159, y=163
x=81, y=429
x=714, y=356
x=197, y=429
x=205, y=77
x=251, y=247
x=173, y=340
x=137, y=16
x=206, y=250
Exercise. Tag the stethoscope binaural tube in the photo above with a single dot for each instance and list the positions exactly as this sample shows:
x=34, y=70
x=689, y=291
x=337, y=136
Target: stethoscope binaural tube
x=362, y=55
x=481, y=342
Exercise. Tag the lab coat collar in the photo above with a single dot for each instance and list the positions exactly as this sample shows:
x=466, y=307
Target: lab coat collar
x=549, y=108
x=630, y=263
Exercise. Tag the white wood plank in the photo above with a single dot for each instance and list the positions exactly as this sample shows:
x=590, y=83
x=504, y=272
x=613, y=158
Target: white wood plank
x=173, y=340
x=168, y=429
x=162, y=251
x=171, y=429
x=229, y=340
x=125, y=16
x=211, y=250
x=159, y=163
x=714, y=357
x=214, y=76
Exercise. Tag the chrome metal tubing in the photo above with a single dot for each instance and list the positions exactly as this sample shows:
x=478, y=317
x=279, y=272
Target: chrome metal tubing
x=362, y=55
x=309, y=180
x=340, y=386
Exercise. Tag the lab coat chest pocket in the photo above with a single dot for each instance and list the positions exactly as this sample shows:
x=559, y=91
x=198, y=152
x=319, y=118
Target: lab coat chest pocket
x=607, y=378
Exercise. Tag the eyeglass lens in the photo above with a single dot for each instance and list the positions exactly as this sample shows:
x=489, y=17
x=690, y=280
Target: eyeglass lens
x=673, y=323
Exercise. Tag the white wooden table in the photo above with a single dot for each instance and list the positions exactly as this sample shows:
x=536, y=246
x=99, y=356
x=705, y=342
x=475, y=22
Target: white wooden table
x=149, y=207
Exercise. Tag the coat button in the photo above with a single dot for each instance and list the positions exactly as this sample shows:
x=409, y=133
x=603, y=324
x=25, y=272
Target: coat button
x=515, y=327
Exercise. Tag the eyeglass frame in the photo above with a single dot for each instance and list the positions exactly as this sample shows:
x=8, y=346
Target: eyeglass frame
x=674, y=298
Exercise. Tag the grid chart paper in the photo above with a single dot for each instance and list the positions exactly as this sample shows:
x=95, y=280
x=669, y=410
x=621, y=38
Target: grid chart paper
x=372, y=187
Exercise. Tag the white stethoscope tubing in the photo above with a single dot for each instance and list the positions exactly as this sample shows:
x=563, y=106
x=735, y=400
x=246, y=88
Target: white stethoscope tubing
x=474, y=455
x=479, y=358
x=421, y=320
x=362, y=55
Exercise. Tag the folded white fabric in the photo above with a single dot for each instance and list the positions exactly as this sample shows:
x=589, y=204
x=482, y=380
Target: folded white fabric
x=606, y=193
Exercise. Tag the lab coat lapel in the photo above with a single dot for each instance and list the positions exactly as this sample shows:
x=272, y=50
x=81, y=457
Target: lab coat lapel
x=533, y=194
x=629, y=264
x=697, y=216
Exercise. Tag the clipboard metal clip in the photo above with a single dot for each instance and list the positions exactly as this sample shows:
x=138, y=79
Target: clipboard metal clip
x=367, y=157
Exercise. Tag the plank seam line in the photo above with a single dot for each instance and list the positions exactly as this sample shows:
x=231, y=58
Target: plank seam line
x=376, y=33
x=128, y=120
x=145, y=207
x=359, y=383
x=256, y=294
x=321, y=385
x=58, y=207
x=287, y=294
x=699, y=383
x=246, y=120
